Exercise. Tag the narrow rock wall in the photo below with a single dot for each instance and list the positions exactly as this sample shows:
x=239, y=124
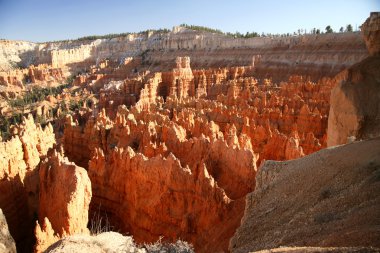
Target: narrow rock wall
x=19, y=180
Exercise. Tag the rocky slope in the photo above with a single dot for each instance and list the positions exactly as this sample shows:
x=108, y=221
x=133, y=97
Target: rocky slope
x=337, y=205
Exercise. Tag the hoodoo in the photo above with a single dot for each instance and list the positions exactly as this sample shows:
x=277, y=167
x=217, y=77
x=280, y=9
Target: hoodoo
x=191, y=140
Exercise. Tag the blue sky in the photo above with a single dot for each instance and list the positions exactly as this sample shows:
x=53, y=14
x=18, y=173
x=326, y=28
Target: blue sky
x=44, y=20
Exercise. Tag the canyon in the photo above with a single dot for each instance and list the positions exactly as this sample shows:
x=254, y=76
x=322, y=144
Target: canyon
x=224, y=143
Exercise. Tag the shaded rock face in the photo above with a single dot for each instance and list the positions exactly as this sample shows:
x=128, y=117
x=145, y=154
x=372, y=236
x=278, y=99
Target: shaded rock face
x=336, y=207
x=7, y=244
x=355, y=107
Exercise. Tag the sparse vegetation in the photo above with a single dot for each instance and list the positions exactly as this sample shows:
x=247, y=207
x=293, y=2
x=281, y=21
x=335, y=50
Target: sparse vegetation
x=99, y=224
x=202, y=28
x=6, y=122
x=177, y=247
x=74, y=105
x=37, y=94
x=329, y=29
x=237, y=34
x=217, y=31
x=113, y=35
x=349, y=28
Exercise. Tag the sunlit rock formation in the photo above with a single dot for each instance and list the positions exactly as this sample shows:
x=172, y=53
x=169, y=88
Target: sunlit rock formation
x=173, y=129
x=65, y=195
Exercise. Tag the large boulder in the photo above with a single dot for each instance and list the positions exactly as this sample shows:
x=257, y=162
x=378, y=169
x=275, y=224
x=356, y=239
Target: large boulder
x=355, y=100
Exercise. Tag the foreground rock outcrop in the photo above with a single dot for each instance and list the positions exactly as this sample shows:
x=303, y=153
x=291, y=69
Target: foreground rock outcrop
x=111, y=242
x=329, y=198
x=7, y=244
x=65, y=195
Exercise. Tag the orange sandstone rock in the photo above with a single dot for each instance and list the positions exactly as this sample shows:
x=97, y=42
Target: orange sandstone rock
x=45, y=236
x=19, y=159
x=153, y=197
x=65, y=194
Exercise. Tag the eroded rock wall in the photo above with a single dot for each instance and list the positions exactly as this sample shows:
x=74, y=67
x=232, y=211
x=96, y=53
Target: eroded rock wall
x=19, y=180
x=123, y=182
x=15, y=53
x=313, y=55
